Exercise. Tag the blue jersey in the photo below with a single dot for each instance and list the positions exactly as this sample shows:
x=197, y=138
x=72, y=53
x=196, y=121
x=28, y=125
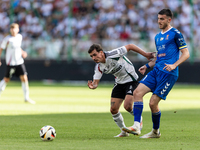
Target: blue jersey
x=168, y=45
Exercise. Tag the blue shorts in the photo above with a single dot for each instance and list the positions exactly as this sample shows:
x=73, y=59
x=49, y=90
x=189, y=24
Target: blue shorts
x=159, y=82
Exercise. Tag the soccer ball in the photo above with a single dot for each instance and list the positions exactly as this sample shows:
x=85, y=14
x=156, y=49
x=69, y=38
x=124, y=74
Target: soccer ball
x=47, y=133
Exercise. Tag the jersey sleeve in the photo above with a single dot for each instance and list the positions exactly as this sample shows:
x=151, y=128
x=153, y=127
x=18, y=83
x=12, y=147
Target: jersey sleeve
x=118, y=52
x=179, y=39
x=97, y=73
x=4, y=43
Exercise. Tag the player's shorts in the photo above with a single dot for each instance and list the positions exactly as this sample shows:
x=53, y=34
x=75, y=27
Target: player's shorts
x=159, y=82
x=15, y=71
x=121, y=90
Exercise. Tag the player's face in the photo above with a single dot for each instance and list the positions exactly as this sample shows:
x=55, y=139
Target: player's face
x=14, y=31
x=163, y=21
x=97, y=56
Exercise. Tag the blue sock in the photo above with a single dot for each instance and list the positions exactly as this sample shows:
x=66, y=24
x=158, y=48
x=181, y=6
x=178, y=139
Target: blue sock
x=156, y=120
x=137, y=110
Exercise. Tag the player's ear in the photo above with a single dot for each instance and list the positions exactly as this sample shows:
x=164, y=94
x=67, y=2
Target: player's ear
x=169, y=19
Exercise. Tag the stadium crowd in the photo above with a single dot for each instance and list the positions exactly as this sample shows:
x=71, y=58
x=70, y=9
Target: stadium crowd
x=50, y=26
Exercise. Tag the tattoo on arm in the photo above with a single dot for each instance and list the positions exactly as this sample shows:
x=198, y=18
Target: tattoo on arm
x=112, y=103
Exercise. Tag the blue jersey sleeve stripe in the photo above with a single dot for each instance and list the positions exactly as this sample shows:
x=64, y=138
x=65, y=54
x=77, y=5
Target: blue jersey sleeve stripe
x=183, y=47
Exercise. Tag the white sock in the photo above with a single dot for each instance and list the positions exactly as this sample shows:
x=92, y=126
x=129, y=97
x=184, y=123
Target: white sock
x=119, y=120
x=2, y=85
x=137, y=124
x=25, y=89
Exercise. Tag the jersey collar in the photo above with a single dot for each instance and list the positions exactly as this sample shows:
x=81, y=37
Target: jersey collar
x=166, y=31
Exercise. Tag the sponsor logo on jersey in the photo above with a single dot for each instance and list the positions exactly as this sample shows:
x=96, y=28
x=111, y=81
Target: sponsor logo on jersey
x=162, y=55
x=116, y=69
x=181, y=40
x=161, y=38
x=162, y=47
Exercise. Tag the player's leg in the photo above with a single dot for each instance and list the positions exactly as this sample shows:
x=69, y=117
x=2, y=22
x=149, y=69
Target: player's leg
x=21, y=72
x=156, y=114
x=3, y=84
x=165, y=82
x=128, y=100
x=25, y=88
x=128, y=106
x=9, y=72
x=117, y=116
x=138, y=94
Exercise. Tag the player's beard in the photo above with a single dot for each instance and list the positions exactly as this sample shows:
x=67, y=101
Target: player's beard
x=163, y=26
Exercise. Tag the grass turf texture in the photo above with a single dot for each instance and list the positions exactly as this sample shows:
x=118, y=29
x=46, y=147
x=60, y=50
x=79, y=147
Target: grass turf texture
x=82, y=120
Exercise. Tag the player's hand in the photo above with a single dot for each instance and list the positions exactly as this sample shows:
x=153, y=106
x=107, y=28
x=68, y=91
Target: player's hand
x=150, y=55
x=24, y=54
x=169, y=67
x=143, y=69
x=90, y=85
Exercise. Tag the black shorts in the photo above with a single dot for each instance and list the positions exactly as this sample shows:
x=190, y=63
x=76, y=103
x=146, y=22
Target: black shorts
x=121, y=90
x=15, y=71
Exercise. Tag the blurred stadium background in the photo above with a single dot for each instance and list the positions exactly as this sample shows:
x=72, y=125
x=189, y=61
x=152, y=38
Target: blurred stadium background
x=58, y=33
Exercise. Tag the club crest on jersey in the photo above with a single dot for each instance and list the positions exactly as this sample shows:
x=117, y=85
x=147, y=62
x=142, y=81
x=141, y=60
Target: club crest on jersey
x=167, y=37
x=112, y=64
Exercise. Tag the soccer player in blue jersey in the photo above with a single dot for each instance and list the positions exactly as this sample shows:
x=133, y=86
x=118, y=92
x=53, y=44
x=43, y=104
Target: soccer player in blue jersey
x=169, y=42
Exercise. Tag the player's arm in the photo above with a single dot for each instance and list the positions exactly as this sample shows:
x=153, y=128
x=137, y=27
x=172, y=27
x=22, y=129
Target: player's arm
x=24, y=54
x=93, y=84
x=185, y=55
x=150, y=64
x=136, y=49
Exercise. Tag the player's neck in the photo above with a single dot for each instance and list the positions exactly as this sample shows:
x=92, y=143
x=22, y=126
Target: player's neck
x=167, y=28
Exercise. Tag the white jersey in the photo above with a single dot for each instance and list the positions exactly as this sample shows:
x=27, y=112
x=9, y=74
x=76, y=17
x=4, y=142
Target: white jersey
x=12, y=44
x=118, y=65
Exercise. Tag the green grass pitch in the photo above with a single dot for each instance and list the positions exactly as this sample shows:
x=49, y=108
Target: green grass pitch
x=82, y=119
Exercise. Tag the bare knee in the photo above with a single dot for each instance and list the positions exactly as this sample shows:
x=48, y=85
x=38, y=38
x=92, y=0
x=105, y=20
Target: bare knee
x=151, y=105
x=137, y=94
x=114, y=110
x=154, y=107
x=23, y=78
x=128, y=107
x=6, y=80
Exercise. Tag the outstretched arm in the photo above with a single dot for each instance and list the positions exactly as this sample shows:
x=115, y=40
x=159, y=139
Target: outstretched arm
x=185, y=55
x=136, y=49
x=93, y=84
x=143, y=69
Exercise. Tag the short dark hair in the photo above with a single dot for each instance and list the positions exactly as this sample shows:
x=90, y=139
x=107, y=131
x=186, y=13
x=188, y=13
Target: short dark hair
x=166, y=12
x=95, y=46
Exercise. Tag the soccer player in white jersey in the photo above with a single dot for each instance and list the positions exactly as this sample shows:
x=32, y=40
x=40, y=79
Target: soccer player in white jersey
x=15, y=61
x=116, y=63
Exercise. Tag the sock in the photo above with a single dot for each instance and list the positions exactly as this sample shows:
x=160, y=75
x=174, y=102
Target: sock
x=119, y=120
x=25, y=89
x=137, y=110
x=156, y=120
x=2, y=85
